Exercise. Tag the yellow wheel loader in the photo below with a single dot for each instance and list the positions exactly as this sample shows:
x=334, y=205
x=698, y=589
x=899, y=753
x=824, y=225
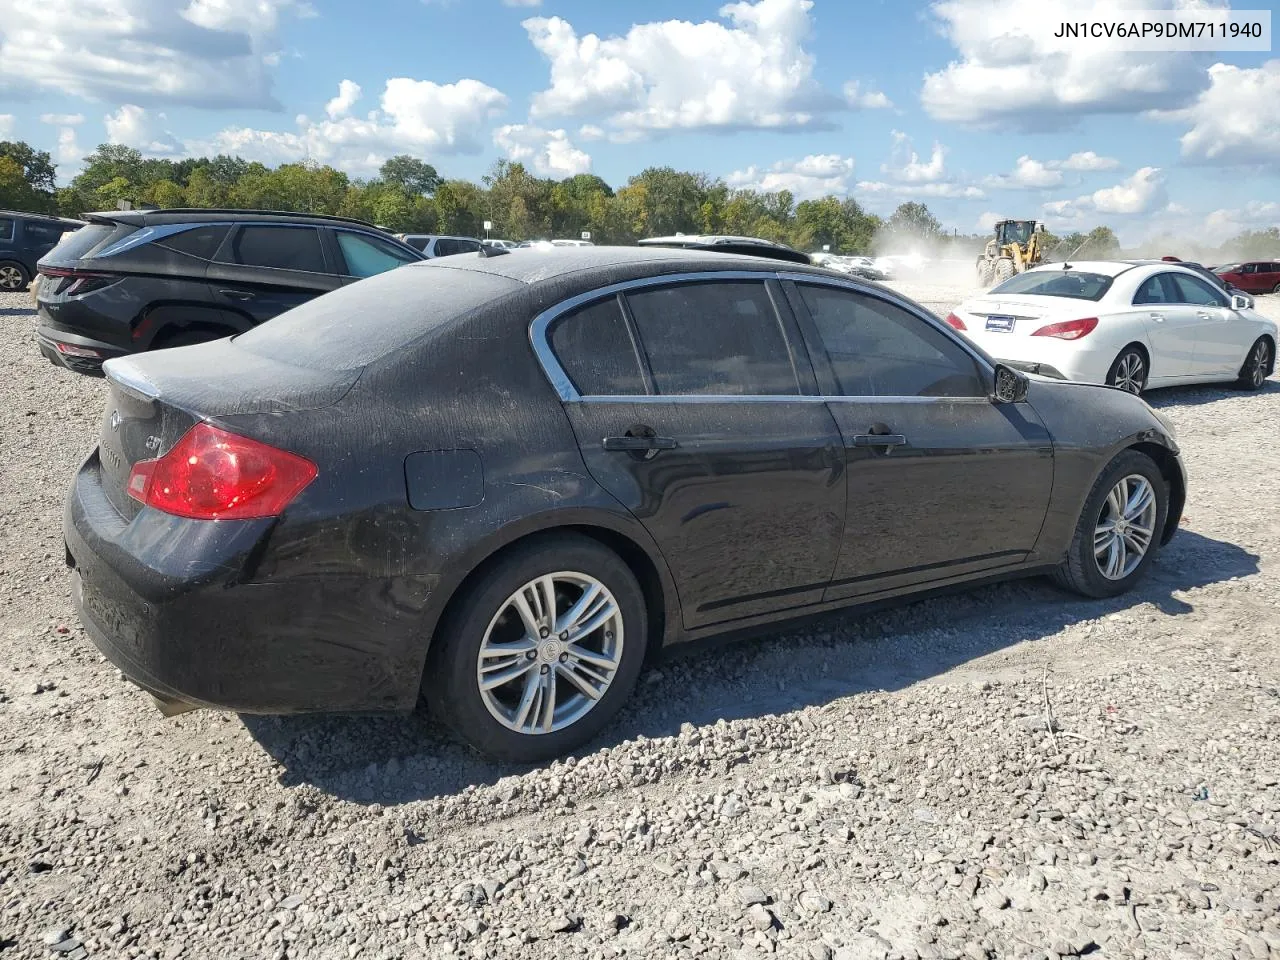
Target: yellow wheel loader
x=1015, y=247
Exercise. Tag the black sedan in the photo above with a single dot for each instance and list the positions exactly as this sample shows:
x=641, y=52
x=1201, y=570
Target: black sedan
x=500, y=481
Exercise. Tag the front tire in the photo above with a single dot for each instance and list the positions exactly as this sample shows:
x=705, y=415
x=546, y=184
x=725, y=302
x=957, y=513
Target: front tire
x=541, y=652
x=13, y=277
x=1129, y=371
x=1257, y=366
x=1005, y=269
x=1118, y=533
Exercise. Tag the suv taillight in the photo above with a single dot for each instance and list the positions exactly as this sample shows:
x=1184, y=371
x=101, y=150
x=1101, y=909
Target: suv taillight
x=211, y=474
x=1068, y=329
x=74, y=282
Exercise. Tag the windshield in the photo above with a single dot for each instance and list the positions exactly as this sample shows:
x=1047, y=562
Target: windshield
x=1073, y=284
x=1015, y=232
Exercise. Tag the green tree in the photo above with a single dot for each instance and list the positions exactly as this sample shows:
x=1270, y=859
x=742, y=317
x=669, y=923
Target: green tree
x=27, y=180
x=1102, y=244
x=410, y=174
x=913, y=221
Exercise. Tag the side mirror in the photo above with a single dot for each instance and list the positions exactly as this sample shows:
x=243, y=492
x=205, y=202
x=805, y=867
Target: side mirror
x=1240, y=303
x=1010, y=385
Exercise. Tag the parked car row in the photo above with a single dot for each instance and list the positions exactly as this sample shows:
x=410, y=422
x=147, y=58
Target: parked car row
x=24, y=239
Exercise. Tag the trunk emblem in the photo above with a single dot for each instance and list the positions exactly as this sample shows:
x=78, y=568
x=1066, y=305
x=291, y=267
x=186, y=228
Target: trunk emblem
x=115, y=419
x=153, y=443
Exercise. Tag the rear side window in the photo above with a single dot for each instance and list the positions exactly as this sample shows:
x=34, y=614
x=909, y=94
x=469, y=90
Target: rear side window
x=366, y=256
x=202, y=242
x=39, y=233
x=714, y=338
x=595, y=350
x=418, y=243
x=1194, y=290
x=282, y=248
x=880, y=350
x=6, y=229
x=1154, y=290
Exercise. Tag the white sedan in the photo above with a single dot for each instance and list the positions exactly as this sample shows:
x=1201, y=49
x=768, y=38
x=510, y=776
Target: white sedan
x=1131, y=325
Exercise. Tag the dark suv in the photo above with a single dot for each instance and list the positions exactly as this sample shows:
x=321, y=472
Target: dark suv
x=24, y=239
x=140, y=280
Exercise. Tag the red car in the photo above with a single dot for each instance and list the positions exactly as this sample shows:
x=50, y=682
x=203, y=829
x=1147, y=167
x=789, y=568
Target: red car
x=1254, y=276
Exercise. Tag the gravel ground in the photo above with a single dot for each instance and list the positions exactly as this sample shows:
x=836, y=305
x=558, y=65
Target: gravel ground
x=870, y=786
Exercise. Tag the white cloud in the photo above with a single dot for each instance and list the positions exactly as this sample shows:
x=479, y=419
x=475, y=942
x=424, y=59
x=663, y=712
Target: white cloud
x=950, y=191
x=906, y=166
x=549, y=151
x=1235, y=121
x=987, y=221
x=340, y=106
x=1256, y=214
x=135, y=127
x=813, y=176
x=1011, y=73
x=69, y=150
x=589, y=131
x=858, y=98
x=1028, y=174
x=415, y=116
x=7, y=123
x=1142, y=193
x=62, y=119
x=1087, y=160
x=210, y=53
x=752, y=71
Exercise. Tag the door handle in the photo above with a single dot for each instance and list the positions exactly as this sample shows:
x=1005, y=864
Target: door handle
x=639, y=443
x=237, y=294
x=879, y=440
x=1204, y=315
x=1158, y=317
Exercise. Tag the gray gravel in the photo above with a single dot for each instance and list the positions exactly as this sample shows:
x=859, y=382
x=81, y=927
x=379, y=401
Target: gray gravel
x=872, y=786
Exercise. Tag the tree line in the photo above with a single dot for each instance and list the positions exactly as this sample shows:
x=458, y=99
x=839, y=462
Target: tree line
x=409, y=196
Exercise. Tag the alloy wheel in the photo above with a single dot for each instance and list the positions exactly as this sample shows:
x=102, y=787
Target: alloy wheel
x=1130, y=373
x=1125, y=527
x=11, y=278
x=1259, y=363
x=550, y=653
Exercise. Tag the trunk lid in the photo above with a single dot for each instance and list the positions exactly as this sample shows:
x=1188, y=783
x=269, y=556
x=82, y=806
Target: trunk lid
x=156, y=398
x=1021, y=315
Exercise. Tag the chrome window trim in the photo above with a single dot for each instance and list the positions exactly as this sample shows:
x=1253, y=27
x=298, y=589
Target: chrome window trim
x=540, y=340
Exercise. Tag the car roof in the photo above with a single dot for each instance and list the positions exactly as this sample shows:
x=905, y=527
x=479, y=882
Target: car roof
x=441, y=236
x=151, y=218
x=535, y=265
x=1108, y=268
x=47, y=217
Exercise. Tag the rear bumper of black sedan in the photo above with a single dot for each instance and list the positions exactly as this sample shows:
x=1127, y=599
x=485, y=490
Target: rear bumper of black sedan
x=73, y=352
x=164, y=599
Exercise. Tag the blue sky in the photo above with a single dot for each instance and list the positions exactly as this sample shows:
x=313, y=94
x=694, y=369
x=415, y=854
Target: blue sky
x=962, y=104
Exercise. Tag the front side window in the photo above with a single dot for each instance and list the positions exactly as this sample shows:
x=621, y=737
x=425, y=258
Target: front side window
x=367, y=256
x=880, y=350
x=716, y=338
x=283, y=248
x=596, y=351
x=1195, y=291
x=1249, y=268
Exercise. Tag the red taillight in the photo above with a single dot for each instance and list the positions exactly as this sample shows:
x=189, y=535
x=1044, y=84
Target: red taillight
x=214, y=475
x=75, y=282
x=1068, y=329
x=956, y=322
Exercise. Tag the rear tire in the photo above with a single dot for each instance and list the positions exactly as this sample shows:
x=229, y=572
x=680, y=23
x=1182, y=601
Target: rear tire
x=488, y=632
x=1258, y=365
x=1277, y=288
x=984, y=272
x=1094, y=567
x=1005, y=269
x=1129, y=371
x=13, y=277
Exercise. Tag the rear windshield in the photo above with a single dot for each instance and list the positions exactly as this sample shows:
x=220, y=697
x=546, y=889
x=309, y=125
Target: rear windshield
x=1058, y=283
x=357, y=324
x=86, y=241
